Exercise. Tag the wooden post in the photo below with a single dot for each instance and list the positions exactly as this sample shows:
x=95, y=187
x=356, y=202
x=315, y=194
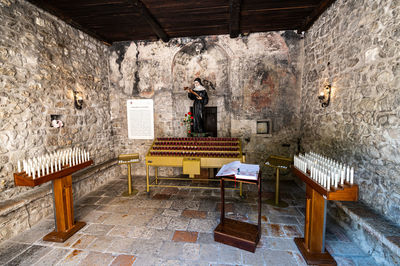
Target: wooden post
x=65, y=225
x=64, y=211
x=312, y=246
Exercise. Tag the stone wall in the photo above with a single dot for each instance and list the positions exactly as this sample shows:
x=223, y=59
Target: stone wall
x=355, y=46
x=250, y=78
x=42, y=60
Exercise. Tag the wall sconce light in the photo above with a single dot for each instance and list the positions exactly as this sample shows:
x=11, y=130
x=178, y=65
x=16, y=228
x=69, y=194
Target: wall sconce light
x=325, y=95
x=78, y=100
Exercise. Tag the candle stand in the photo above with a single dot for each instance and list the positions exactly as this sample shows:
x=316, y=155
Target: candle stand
x=278, y=162
x=312, y=246
x=65, y=225
x=129, y=159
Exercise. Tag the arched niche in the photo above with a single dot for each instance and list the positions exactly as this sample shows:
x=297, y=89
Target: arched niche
x=210, y=62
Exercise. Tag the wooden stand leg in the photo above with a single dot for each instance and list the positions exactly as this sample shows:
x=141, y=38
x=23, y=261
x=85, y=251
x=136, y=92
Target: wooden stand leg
x=129, y=180
x=277, y=187
x=64, y=211
x=222, y=201
x=277, y=202
x=147, y=179
x=130, y=192
x=312, y=246
x=156, y=174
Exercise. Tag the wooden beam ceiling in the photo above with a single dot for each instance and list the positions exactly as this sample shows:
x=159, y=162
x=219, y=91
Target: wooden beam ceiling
x=155, y=26
x=234, y=23
x=318, y=10
x=130, y=20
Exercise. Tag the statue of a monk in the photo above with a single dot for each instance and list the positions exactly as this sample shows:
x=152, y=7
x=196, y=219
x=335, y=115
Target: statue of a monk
x=200, y=98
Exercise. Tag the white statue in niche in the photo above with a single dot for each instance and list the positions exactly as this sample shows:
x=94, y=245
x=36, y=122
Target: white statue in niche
x=57, y=123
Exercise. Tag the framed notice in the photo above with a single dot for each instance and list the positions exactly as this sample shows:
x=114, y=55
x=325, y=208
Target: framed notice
x=140, y=115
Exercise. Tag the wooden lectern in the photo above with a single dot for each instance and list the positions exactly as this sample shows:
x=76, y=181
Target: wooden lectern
x=312, y=246
x=237, y=233
x=65, y=225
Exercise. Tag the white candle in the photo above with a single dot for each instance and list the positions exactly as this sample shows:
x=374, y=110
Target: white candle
x=328, y=182
x=88, y=155
x=47, y=168
x=51, y=167
x=336, y=179
x=33, y=174
x=351, y=175
x=342, y=176
x=38, y=171
x=59, y=165
x=19, y=166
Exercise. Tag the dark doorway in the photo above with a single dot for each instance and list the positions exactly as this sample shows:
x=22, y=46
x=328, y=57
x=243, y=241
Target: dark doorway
x=210, y=120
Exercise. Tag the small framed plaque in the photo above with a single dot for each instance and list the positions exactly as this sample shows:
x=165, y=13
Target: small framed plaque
x=264, y=127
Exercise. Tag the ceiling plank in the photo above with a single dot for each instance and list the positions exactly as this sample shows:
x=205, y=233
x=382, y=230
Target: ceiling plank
x=58, y=13
x=309, y=20
x=234, y=21
x=155, y=26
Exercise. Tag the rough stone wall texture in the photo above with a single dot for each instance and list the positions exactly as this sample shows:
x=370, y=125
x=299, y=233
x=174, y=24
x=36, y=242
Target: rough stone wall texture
x=42, y=60
x=248, y=79
x=360, y=41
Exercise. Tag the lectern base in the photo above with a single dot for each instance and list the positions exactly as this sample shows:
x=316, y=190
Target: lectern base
x=62, y=236
x=314, y=258
x=237, y=234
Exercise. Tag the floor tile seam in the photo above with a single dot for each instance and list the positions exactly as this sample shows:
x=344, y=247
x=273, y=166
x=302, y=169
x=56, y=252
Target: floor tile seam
x=29, y=245
x=62, y=258
x=72, y=250
x=351, y=256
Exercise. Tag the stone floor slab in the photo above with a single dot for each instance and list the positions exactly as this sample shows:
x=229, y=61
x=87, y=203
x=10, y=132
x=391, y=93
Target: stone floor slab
x=140, y=230
x=30, y=256
x=202, y=225
x=277, y=257
x=183, y=236
x=97, y=229
x=53, y=257
x=194, y=214
x=123, y=260
x=10, y=250
x=178, y=223
x=83, y=242
x=97, y=258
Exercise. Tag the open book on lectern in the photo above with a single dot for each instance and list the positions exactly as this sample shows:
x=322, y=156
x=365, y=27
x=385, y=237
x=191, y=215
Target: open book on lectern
x=240, y=170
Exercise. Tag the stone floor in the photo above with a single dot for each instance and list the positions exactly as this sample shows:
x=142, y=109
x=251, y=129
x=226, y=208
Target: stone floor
x=173, y=226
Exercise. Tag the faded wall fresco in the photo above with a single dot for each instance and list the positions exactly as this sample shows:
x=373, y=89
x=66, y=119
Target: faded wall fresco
x=250, y=78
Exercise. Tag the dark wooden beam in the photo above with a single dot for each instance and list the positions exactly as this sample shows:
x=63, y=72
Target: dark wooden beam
x=309, y=20
x=56, y=12
x=155, y=26
x=234, y=22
